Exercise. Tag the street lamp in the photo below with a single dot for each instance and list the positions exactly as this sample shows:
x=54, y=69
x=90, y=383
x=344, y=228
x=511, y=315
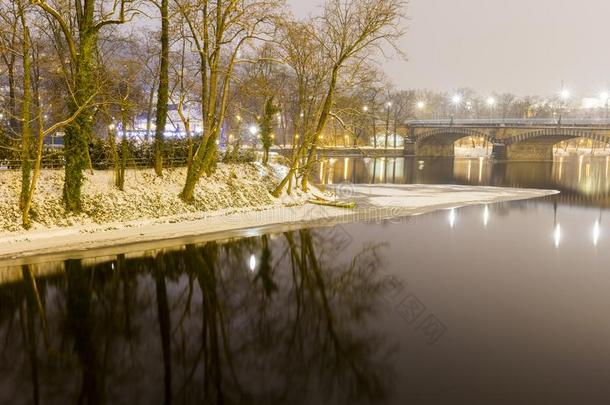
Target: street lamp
x=253, y=129
x=456, y=100
x=491, y=102
x=564, y=95
x=421, y=105
x=365, y=108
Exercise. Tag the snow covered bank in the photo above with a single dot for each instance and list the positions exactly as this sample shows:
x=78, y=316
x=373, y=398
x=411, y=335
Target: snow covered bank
x=232, y=188
x=374, y=202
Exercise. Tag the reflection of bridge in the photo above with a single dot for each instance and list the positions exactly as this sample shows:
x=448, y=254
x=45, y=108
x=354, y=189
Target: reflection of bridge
x=512, y=139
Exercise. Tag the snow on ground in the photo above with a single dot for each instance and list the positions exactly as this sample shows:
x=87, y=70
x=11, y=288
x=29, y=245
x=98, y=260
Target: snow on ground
x=233, y=187
x=264, y=214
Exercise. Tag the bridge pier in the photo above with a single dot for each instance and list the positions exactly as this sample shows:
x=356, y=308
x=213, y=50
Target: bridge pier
x=498, y=151
x=410, y=148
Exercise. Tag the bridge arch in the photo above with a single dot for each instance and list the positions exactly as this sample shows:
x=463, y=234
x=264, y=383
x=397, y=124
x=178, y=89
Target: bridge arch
x=441, y=141
x=552, y=134
x=451, y=134
x=538, y=144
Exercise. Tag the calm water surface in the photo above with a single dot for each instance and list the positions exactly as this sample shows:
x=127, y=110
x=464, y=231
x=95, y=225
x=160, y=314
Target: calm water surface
x=500, y=304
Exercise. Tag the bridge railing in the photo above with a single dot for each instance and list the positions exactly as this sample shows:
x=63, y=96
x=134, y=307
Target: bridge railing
x=513, y=122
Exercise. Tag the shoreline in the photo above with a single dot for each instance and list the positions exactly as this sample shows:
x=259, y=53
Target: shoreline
x=374, y=202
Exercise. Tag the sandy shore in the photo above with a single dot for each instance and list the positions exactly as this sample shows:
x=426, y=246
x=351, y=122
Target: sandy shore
x=373, y=203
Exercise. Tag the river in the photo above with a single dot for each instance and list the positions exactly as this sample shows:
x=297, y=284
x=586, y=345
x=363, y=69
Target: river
x=501, y=304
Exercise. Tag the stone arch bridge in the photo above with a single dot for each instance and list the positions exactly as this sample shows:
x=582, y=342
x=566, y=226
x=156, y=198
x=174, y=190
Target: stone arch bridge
x=512, y=139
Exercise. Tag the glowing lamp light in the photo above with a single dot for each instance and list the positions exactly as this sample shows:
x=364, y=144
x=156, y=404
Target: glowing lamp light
x=604, y=96
x=252, y=263
x=565, y=94
x=491, y=101
x=253, y=129
x=365, y=108
x=420, y=105
x=457, y=99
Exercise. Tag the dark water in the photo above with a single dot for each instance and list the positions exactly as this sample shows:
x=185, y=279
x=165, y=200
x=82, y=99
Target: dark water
x=501, y=304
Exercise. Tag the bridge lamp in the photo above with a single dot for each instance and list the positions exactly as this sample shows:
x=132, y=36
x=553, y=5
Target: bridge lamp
x=491, y=101
x=421, y=105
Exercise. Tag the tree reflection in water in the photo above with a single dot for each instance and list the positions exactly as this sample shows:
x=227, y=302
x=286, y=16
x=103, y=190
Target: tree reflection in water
x=198, y=325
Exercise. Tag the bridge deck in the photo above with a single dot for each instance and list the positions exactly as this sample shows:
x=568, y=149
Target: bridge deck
x=582, y=123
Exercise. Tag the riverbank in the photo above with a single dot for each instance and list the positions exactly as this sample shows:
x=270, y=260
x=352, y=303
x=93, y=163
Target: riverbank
x=160, y=219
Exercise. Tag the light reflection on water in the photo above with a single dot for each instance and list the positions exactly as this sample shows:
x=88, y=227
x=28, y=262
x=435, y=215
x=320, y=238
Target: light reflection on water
x=497, y=303
x=391, y=312
x=582, y=180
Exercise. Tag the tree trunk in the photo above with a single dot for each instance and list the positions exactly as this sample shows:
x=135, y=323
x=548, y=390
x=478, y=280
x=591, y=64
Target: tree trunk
x=163, y=92
x=26, y=164
x=149, y=111
x=78, y=133
x=320, y=127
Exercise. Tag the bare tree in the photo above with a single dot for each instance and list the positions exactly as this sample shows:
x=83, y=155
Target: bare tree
x=80, y=23
x=349, y=31
x=219, y=30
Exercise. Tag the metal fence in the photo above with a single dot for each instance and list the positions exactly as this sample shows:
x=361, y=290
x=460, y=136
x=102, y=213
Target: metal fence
x=134, y=163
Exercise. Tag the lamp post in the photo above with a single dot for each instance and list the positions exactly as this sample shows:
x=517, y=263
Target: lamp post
x=455, y=100
x=564, y=95
x=491, y=102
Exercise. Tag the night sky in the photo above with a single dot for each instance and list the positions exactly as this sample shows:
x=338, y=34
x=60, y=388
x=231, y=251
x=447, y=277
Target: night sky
x=518, y=46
